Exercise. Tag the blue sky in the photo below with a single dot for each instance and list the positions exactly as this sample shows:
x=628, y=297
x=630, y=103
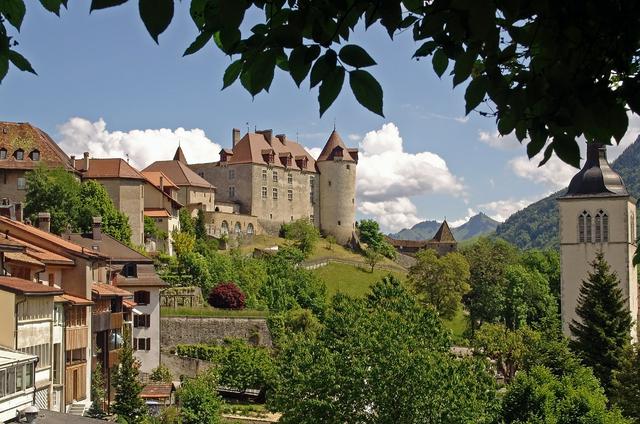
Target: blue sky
x=106, y=70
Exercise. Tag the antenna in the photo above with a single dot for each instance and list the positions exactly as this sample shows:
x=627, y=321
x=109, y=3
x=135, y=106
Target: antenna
x=247, y=126
x=334, y=123
x=127, y=157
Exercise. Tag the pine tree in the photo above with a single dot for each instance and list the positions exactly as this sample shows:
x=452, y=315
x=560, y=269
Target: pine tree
x=96, y=409
x=604, y=331
x=625, y=392
x=128, y=403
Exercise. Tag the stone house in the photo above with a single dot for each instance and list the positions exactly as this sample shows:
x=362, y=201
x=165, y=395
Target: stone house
x=161, y=205
x=443, y=242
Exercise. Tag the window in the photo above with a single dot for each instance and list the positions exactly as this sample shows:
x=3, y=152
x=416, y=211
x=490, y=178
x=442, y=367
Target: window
x=290, y=178
x=232, y=174
x=311, y=218
x=339, y=223
x=237, y=228
x=275, y=194
x=43, y=352
x=588, y=227
x=264, y=175
x=19, y=154
x=3, y=382
x=142, y=344
x=141, y=297
x=289, y=195
x=348, y=166
x=329, y=183
x=250, y=229
x=35, y=155
x=632, y=228
x=605, y=228
x=22, y=183
x=275, y=176
x=224, y=229
x=232, y=192
x=3, y=153
x=264, y=192
x=581, y=228
x=11, y=380
x=130, y=270
x=598, y=229
x=602, y=227
x=142, y=321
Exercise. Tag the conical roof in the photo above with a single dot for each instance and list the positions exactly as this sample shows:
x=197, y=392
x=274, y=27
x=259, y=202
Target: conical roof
x=179, y=156
x=335, y=146
x=444, y=234
x=596, y=178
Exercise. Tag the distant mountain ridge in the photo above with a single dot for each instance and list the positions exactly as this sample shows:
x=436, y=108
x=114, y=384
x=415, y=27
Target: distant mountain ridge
x=477, y=225
x=537, y=225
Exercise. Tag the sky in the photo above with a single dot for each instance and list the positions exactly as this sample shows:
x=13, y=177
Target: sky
x=104, y=86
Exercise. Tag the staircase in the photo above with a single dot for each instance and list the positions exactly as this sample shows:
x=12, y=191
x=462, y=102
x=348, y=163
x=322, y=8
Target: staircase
x=77, y=409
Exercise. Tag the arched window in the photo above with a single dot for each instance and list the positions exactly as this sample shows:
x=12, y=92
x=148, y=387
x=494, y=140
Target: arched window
x=605, y=228
x=237, y=228
x=19, y=154
x=588, y=227
x=3, y=153
x=224, y=229
x=35, y=155
x=581, y=223
x=598, y=228
x=250, y=229
x=602, y=227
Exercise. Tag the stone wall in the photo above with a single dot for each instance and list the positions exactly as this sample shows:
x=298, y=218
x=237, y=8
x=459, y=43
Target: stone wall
x=189, y=330
x=183, y=367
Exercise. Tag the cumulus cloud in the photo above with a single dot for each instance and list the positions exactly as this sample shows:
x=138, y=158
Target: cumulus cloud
x=495, y=139
x=459, y=222
x=314, y=151
x=143, y=147
x=500, y=210
x=388, y=177
x=354, y=137
x=392, y=215
x=555, y=174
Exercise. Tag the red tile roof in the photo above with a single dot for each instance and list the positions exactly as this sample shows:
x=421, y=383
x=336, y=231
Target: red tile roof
x=157, y=391
x=107, y=290
x=76, y=300
x=336, y=147
x=179, y=173
x=129, y=304
x=26, y=287
x=22, y=135
x=23, y=258
x=43, y=255
x=156, y=213
x=108, y=168
x=154, y=178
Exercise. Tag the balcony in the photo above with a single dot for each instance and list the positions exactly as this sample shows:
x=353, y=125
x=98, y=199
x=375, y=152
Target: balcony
x=114, y=357
x=117, y=319
x=76, y=337
x=100, y=322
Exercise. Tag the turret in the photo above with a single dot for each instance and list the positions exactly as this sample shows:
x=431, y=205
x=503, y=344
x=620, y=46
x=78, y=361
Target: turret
x=337, y=167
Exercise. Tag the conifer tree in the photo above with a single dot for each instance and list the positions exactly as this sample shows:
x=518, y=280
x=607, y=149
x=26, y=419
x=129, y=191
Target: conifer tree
x=625, y=392
x=604, y=329
x=96, y=409
x=128, y=403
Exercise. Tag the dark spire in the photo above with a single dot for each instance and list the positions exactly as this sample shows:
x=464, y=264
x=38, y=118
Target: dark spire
x=179, y=156
x=444, y=233
x=596, y=176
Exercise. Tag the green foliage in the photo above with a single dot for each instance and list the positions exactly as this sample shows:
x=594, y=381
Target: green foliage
x=199, y=400
x=440, y=282
x=295, y=321
x=539, y=396
x=372, y=257
x=186, y=222
x=303, y=233
x=183, y=242
x=528, y=299
x=150, y=228
x=128, y=403
x=200, y=228
x=370, y=234
x=625, y=385
x=547, y=263
x=98, y=393
x=344, y=372
x=73, y=204
x=603, y=332
x=160, y=374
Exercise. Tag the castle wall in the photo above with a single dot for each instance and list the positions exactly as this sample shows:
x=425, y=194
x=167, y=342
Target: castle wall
x=337, y=199
x=576, y=257
x=9, y=185
x=128, y=197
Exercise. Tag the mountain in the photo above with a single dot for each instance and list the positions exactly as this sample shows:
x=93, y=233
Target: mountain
x=536, y=226
x=477, y=225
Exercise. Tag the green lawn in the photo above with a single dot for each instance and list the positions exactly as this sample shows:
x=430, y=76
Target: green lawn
x=351, y=280
x=207, y=311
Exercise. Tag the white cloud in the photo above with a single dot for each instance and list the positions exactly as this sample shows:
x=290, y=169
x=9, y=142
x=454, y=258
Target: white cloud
x=494, y=139
x=459, y=222
x=500, y=210
x=388, y=176
x=354, y=137
x=555, y=174
x=143, y=147
x=314, y=151
x=392, y=215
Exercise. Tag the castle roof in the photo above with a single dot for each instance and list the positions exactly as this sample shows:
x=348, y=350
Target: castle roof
x=22, y=135
x=596, y=178
x=335, y=147
x=264, y=148
x=179, y=173
x=444, y=234
x=107, y=168
x=179, y=156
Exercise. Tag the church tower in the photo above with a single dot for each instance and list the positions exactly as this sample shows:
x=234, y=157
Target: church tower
x=337, y=167
x=596, y=214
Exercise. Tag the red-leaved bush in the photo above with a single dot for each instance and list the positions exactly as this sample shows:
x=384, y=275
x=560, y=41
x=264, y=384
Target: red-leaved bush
x=226, y=296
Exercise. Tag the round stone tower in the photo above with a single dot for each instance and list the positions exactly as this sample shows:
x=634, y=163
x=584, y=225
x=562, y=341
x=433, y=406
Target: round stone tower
x=337, y=168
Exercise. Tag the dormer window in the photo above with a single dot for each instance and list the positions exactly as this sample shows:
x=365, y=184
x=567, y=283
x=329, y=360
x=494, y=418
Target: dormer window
x=3, y=153
x=19, y=154
x=35, y=155
x=130, y=270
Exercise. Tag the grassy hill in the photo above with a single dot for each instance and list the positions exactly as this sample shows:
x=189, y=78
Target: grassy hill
x=537, y=225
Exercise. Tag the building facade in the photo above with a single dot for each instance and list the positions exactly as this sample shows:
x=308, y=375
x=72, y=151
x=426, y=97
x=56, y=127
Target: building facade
x=597, y=214
x=275, y=180
x=161, y=205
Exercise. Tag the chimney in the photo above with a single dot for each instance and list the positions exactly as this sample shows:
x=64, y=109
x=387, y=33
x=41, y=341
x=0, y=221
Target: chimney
x=235, y=137
x=97, y=228
x=161, y=183
x=282, y=138
x=44, y=221
x=73, y=160
x=85, y=164
x=18, y=211
x=268, y=135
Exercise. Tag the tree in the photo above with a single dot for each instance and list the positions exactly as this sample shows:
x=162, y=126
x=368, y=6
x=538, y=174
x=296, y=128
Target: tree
x=488, y=261
x=151, y=229
x=161, y=374
x=183, y=242
x=603, y=332
x=367, y=346
x=372, y=256
x=128, y=403
x=538, y=65
x=440, y=282
x=243, y=367
x=186, y=222
x=331, y=240
x=528, y=300
x=370, y=234
x=625, y=385
x=226, y=296
x=199, y=400
x=95, y=201
x=547, y=263
x=303, y=233
x=200, y=228
x=539, y=396
x=96, y=410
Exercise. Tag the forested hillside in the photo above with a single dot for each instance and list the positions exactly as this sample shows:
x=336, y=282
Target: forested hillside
x=536, y=226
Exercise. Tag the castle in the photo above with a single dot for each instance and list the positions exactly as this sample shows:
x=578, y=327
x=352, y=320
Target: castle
x=275, y=180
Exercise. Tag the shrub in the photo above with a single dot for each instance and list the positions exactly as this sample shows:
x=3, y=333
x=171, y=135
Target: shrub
x=227, y=296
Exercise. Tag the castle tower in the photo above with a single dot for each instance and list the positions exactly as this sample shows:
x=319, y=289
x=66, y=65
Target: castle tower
x=597, y=213
x=337, y=168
